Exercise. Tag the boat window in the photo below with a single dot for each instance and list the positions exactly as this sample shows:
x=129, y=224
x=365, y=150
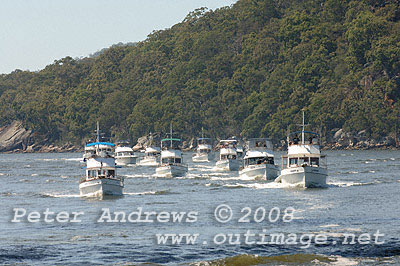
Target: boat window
x=303, y=161
x=178, y=160
x=293, y=161
x=111, y=173
x=92, y=173
x=270, y=160
x=204, y=150
x=168, y=160
x=315, y=161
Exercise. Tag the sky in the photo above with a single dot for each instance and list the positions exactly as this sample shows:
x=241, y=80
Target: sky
x=34, y=33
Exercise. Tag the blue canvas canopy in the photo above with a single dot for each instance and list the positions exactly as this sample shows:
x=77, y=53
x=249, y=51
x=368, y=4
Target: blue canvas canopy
x=100, y=143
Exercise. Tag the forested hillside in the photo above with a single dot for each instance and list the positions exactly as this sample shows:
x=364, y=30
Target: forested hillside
x=247, y=70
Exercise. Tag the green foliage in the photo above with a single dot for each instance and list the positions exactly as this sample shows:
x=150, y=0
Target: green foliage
x=247, y=70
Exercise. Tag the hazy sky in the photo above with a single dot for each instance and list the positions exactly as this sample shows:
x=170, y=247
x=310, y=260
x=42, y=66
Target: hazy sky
x=34, y=33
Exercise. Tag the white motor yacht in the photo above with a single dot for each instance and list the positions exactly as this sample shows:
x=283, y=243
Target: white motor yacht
x=101, y=179
x=171, y=164
x=258, y=162
x=204, y=151
x=124, y=154
x=304, y=165
x=228, y=159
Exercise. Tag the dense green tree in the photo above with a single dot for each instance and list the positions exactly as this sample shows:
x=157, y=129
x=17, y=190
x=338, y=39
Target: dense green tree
x=246, y=70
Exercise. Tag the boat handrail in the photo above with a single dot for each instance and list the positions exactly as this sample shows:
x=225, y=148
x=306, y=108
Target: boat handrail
x=171, y=163
x=85, y=179
x=297, y=155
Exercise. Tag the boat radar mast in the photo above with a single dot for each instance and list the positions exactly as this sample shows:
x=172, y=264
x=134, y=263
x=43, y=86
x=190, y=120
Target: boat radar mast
x=303, y=125
x=98, y=132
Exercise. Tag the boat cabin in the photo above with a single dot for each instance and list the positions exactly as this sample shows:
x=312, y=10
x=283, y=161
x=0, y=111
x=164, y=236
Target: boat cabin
x=303, y=152
x=100, y=173
x=204, y=145
x=152, y=152
x=102, y=149
x=170, y=144
x=258, y=160
x=301, y=160
x=228, y=149
x=171, y=160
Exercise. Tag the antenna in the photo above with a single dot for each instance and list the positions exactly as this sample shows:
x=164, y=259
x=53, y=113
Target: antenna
x=303, y=125
x=302, y=131
x=98, y=132
x=171, y=133
x=151, y=139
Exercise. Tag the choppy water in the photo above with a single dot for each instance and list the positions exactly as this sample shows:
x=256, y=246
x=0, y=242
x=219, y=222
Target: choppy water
x=362, y=197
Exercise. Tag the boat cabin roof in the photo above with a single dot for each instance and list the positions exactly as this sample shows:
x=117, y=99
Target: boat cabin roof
x=123, y=149
x=300, y=155
x=259, y=144
x=258, y=154
x=100, y=143
x=169, y=139
x=152, y=149
x=228, y=140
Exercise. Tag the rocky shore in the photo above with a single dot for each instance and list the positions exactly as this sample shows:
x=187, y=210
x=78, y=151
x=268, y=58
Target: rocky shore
x=14, y=138
x=342, y=140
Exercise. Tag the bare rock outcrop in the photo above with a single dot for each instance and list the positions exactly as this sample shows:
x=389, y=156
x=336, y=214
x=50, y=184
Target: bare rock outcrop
x=14, y=136
x=144, y=141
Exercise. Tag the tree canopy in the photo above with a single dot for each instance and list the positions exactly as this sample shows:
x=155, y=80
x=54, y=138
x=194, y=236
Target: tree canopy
x=245, y=70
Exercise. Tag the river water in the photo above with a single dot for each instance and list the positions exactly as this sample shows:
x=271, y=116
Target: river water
x=361, y=200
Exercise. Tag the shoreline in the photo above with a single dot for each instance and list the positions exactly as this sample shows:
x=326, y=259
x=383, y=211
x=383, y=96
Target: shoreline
x=74, y=149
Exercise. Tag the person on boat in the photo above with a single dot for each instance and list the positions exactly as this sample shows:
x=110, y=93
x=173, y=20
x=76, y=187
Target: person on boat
x=296, y=139
x=310, y=139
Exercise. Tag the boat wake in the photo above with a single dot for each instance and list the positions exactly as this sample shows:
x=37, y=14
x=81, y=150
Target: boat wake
x=351, y=183
x=53, y=195
x=137, y=176
x=160, y=192
x=72, y=159
x=266, y=185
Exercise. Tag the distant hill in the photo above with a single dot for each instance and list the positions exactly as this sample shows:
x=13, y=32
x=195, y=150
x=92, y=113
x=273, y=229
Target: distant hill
x=245, y=70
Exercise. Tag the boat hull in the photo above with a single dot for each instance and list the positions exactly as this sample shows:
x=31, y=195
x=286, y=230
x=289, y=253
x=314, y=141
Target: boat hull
x=171, y=170
x=150, y=161
x=307, y=177
x=101, y=187
x=260, y=172
x=228, y=165
x=202, y=157
x=125, y=160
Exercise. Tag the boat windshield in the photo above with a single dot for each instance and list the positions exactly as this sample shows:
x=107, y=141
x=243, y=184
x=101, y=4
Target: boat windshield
x=101, y=173
x=259, y=160
x=171, y=160
x=304, y=161
x=228, y=156
x=124, y=153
